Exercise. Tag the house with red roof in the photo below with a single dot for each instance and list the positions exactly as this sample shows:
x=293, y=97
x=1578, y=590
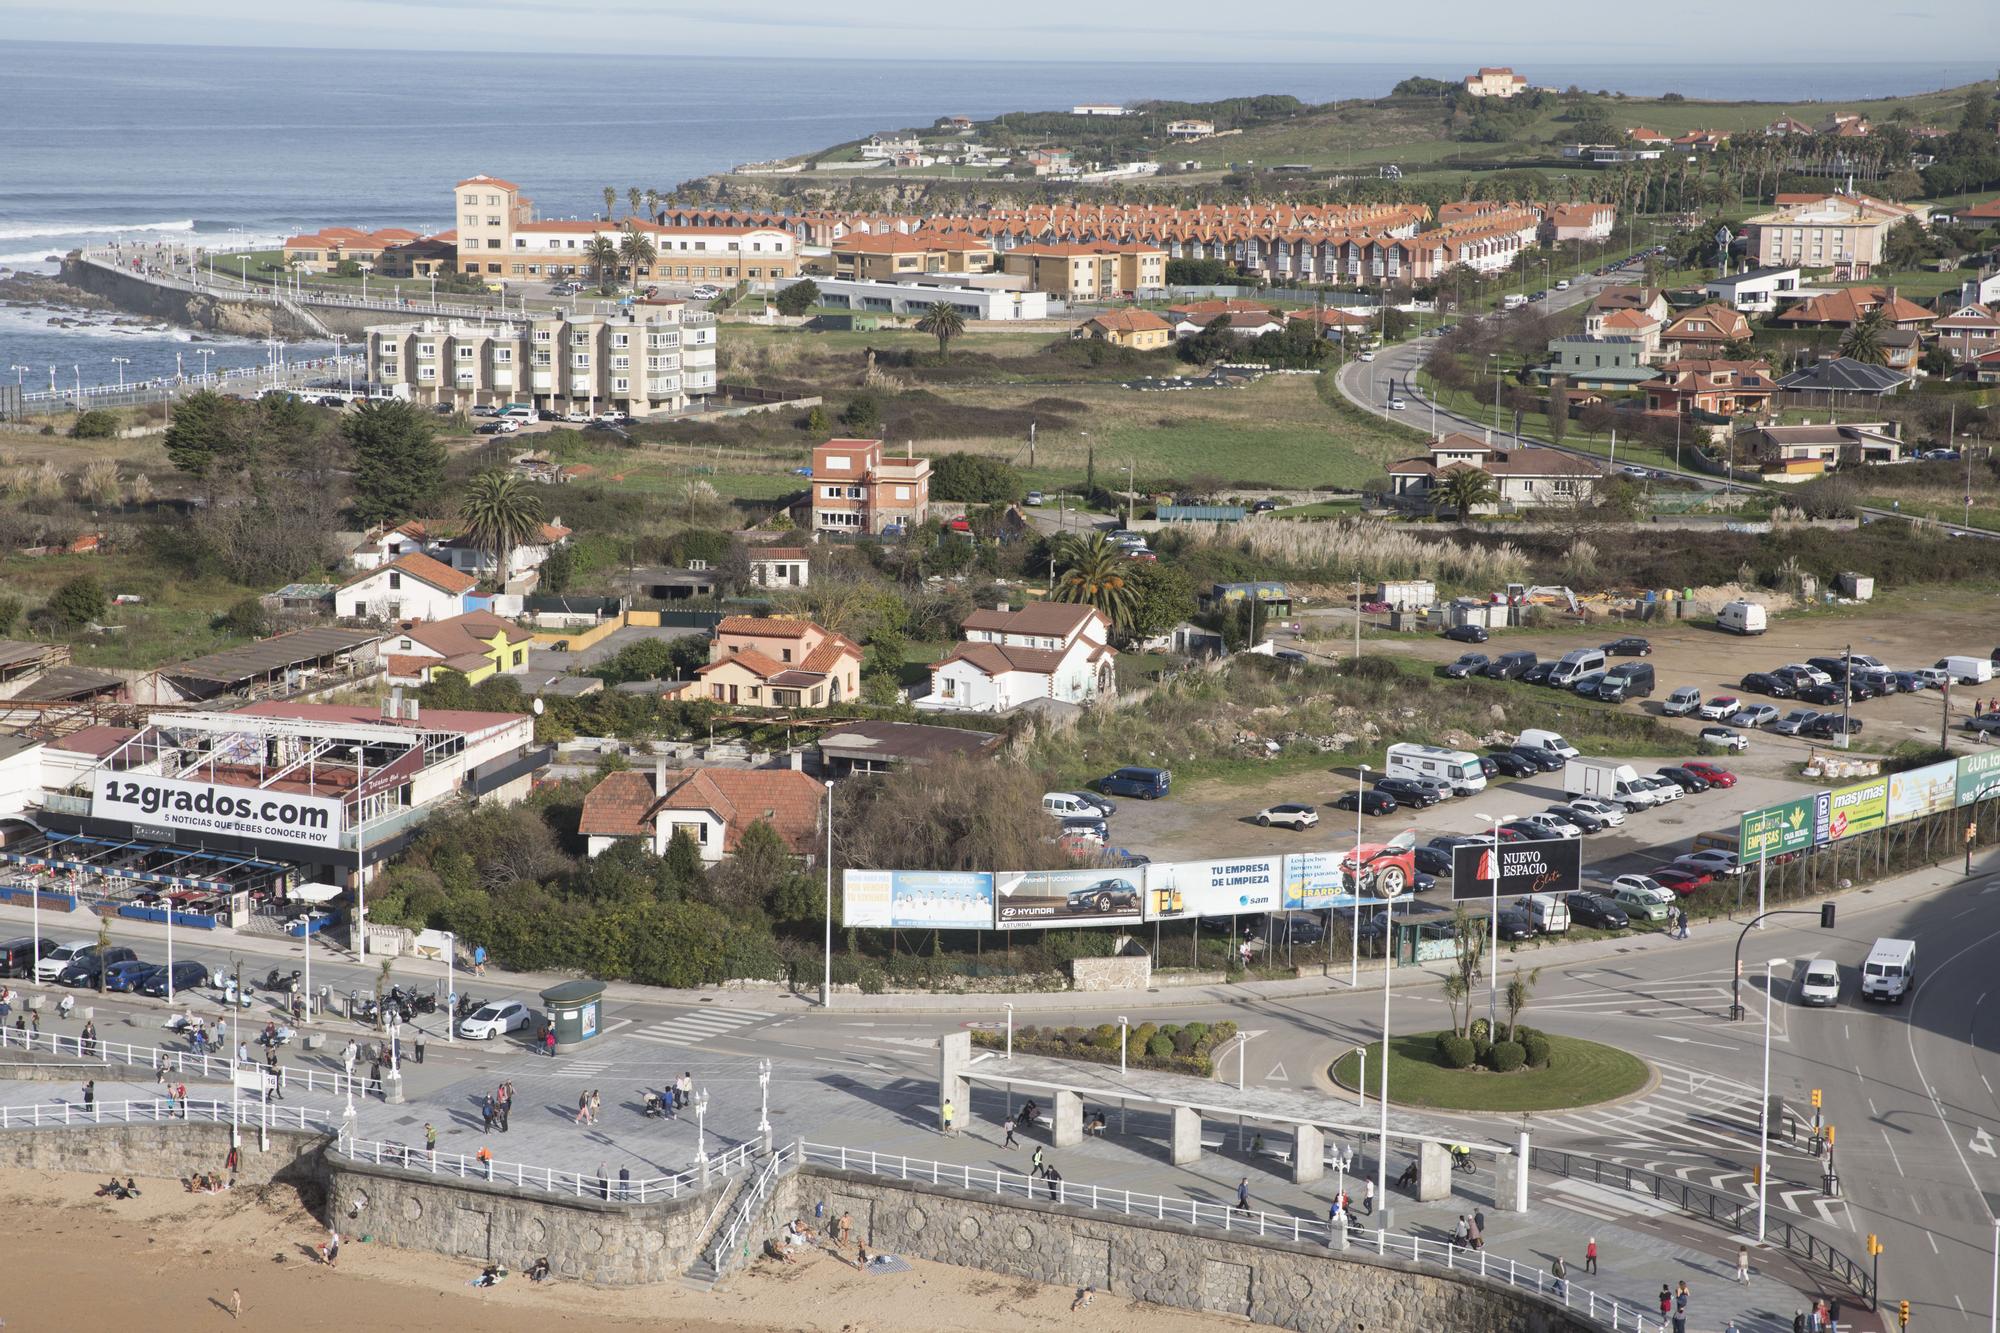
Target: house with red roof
x=1059, y=651
x=475, y=645
x=1522, y=478
x=1846, y=306
x=411, y=587
x=714, y=806
x=1704, y=330
x=1969, y=332
x=771, y=662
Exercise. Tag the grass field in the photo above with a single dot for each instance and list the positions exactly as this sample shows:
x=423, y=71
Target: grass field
x=1579, y=1073
x=173, y=619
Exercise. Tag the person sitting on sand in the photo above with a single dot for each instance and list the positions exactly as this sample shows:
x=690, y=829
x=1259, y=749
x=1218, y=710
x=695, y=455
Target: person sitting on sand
x=538, y=1271
x=198, y=1185
x=800, y=1229
x=131, y=1189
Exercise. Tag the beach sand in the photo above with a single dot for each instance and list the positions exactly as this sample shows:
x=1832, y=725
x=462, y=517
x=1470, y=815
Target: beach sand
x=170, y=1259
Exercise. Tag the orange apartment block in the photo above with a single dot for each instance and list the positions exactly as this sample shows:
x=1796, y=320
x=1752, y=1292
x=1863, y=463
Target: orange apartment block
x=857, y=490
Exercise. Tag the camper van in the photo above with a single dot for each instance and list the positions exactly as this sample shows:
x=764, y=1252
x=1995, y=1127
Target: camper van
x=1887, y=973
x=1458, y=769
x=1741, y=618
x=1580, y=662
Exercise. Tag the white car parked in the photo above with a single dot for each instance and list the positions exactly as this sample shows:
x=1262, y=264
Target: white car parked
x=1812, y=673
x=1666, y=791
x=1292, y=814
x=1724, y=737
x=1718, y=708
x=51, y=967
x=495, y=1020
x=1612, y=815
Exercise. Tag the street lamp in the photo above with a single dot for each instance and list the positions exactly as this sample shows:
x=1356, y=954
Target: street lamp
x=364, y=281
x=1124, y=1028
x=1382, y=1091
x=121, y=362
x=826, y=985
x=1010, y=1031
x=1493, y=969
x=701, y=1125
x=1361, y=1087
x=1354, y=937
x=764, y=1092
x=1764, y=1112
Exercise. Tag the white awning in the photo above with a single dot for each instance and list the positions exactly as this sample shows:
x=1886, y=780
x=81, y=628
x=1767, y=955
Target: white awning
x=315, y=893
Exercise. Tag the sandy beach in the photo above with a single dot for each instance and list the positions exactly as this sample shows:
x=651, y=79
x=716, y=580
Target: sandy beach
x=170, y=1258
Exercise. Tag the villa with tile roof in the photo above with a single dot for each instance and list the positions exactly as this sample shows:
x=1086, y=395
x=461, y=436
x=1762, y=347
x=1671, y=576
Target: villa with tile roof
x=475, y=645
x=716, y=806
x=411, y=587
x=766, y=662
x=1056, y=651
x=1522, y=478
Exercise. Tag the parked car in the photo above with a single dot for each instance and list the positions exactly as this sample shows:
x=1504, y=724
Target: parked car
x=1513, y=763
x=1832, y=669
x=19, y=956
x=187, y=975
x=496, y=1019
x=1510, y=666
x=1147, y=784
x=1715, y=860
x=1754, y=715
x=1682, y=702
x=1612, y=815
x=1515, y=924
x=1091, y=828
x=1538, y=674
x=1561, y=823
x=1548, y=761
x=1371, y=802
x=1641, y=898
x=1588, y=683
x=1630, y=647
x=1795, y=722
x=1583, y=819
x=1292, y=814
x=1683, y=880
x=1663, y=790
x=1466, y=665
x=1408, y=791
x=55, y=961
x=1715, y=775
x=1688, y=781
x=1826, y=696
x=88, y=970
x=1724, y=738
x=130, y=975
x=1590, y=909
x=1718, y=708
x=1538, y=828
x=1763, y=682
x=1034, y=499
x=1467, y=634
x=1434, y=861
x=1828, y=725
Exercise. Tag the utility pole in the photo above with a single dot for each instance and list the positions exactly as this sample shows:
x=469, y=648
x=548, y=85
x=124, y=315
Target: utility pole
x=1129, y=498
x=1846, y=691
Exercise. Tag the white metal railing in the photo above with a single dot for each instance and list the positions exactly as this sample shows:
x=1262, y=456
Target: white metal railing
x=182, y=1062
x=1440, y=1254
x=748, y=1207
x=53, y=1115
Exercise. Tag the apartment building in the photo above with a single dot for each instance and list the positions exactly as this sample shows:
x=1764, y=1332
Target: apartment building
x=656, y=357
x=1088, y=272
x=896, y=255
x=1842, y=232
x=857, y=490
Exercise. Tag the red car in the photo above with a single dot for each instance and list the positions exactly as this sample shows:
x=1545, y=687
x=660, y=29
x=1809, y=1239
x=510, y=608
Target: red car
x=1390, y=865
x=958, y=525
x=1681, y=879
x=1714, y=776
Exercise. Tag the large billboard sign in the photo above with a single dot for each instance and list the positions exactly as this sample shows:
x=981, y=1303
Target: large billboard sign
x=1067, y=898
x=1861, y=808
x=218, y=808
x=1776, y=830
x=1315, y=880
x=1930, y=790
x=1978, y=777
x=1551, y=865
x=1213, y=888
x=917, y=899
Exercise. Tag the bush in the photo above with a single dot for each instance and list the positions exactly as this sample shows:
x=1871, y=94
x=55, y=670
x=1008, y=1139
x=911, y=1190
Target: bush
x=1481, y=1030
x=798, y=298
x=1506, y=1057
x=1536, y=1047
x=1481, y=1048
x=1160, y=1047
x=96, y=424
x=973, y=479
x=1196, y=1031
x=77, y=603
x=1074, y=1036
x=1455, y=1051
x=1105, y=1035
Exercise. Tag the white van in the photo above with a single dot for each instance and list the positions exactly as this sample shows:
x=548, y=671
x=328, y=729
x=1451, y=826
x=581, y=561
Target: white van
x=1534, y=738
x=1549, y=913
x=1603, y=780
x=1741, y=618
x=1967, y=670
x=1577, y=663
x=1890, y=967
x=1821, y=982
x=1068, y=805
x=1457, y=769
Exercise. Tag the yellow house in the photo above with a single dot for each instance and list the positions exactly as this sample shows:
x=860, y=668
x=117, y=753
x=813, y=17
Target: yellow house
x=1088, y=272
x=889, y=256
x=476, y=645
x=773, y=663
x=1139, y=329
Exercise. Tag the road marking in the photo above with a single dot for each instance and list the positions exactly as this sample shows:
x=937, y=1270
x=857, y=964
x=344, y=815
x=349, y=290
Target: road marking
x=1871, y=1108
x=1982, y=1142
x=1892, y=1154
x=1933, y=1240
x=1277, y=1073
x=1910, y=1040
x=694, y=1026
x=1989, y=1086
x=1690, y=1041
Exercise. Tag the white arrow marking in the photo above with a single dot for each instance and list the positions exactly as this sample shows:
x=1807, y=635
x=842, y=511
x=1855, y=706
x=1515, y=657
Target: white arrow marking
x=1690, y=1041
x=1277, y=1073
x=1982, y=1142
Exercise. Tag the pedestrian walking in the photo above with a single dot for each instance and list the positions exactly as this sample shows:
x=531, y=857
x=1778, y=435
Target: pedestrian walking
x=1035, y=1163
x=1798, y=1321
x=1243, y=1195
x=582, y=1108
x=1008, y=1126
x=684, y=1088
x=1560, y=1272
x=417, y=1047
x=1666, y=1300
x=1590, y=1256
x=487, y=1111
x=1461, y=1234
x=949, y=1111
x=549, y=1042
x=1053, y=1179
x=347, y=1057
x=1474, y=1233
x=329, y=1253
x=596, y=1105
x=430, y=1138
x=181, y=1099
x=624, y=1182
x=89, y=1092
x=506, y=1104
x=235, y=1303
x=1368, y=1198
x=1743, y=1264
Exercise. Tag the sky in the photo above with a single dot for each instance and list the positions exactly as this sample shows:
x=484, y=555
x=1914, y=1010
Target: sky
x=1289, y=31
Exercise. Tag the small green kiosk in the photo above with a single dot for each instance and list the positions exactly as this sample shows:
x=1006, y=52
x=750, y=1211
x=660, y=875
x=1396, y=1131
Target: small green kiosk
x=576, y=1011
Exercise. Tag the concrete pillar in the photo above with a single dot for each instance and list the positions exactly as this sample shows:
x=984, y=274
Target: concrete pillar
x=954, y=1056
x=392, y=1087
x=1308, y=1154
x=1068, y=1115
x=1186, y=1136
x=1524, y=1156
x=1433, y=1172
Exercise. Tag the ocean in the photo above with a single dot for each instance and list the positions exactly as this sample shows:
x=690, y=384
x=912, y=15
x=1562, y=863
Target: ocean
x=236, y=147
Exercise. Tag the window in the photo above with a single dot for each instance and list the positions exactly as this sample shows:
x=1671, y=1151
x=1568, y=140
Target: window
x=580, y=338
x=543, y=360
x=621, y=385
x=426, y=349
x=465, y=352
x=472, y=199
x=543, y=335
x=503, y=356
x=427, y=372
x=580, y=361
x=621, y=340
x=621, y=363
x=395, y=580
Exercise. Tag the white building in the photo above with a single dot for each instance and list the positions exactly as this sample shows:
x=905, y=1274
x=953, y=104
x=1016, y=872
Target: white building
x=443, y=543
x=657, y=357
x=780, y=566
x=1048, y=650
x=410, y=587
x=1098, y=109
x=714, y=806
x=967, y=294
x=1756, y=289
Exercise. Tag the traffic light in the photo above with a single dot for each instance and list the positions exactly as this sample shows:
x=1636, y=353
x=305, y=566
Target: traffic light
x=1815, y=1099
x=1829, y=1136
x=1903, y=1314
x=1874, y=1244
x=1826, y=916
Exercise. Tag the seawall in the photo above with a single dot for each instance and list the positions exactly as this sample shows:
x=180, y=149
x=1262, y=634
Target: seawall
x=203, y=310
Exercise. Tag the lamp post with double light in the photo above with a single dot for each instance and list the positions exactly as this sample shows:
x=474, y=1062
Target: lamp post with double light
x=1354, y=877
x=1764, y=1115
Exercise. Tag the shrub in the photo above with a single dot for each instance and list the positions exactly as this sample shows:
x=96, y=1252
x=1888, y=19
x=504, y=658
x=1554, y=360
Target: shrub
x=96, y=424
x=1074, y=1036
x=1506, y=1057
x=1481, y=1049
x=1455, y=1051
x=1183, y=1043
x=1481, y=1030
x=1160, y=1047
x=1196, y=1031
x=1537, y=1048
x=1027, y=1032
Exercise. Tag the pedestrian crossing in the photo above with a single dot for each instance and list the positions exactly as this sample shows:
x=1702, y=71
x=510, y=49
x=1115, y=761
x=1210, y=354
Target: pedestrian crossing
x=692, y=1027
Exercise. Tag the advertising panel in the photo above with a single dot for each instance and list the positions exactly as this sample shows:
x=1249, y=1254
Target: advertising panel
x=1861, y=808
x=1213, y=888
x=1067, y=898
x=1552, y=865
x=1776, y=830
x=215, y=807
x=1929, y=790
x=917, y=899
x=1315, y=880
x=1978, y=777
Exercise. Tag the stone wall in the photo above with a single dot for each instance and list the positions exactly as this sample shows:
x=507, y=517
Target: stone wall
x=164, y=1150
x=1299, y=1286
x=585, y=1239
x=1103, y=974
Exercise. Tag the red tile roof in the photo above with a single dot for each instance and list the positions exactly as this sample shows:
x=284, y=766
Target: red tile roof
x=997, y=659
x=784, y=798
x=1130, y=321
x=618, y=807
x=494, y=181
x=424, y=569
x=766, y=627
x=1041, y=619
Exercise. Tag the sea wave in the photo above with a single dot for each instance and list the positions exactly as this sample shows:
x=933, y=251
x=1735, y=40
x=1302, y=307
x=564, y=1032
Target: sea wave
x=24, y=230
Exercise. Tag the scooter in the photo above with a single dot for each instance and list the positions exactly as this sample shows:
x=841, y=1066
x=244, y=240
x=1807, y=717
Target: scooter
x=279, y=981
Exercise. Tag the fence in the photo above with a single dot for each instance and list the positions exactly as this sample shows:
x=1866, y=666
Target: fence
x=175, y=1060
x=1217, y=1217
x=749, y=1206
x=1737, y=1214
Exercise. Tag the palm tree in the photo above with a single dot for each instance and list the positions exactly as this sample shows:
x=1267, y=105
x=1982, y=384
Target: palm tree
x=1863, y=339
x=653, y=205
x=610, y=199
x=1095, y=573
x=602, y=252
x=500, y=512
x=632, y=197
x=943, y=322
x=635, y=250
x=1463, y=490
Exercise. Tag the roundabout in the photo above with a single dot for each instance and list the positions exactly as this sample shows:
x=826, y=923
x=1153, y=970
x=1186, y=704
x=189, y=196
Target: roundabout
x=1578, y=1073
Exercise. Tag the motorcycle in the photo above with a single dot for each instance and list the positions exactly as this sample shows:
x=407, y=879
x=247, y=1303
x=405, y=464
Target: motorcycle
x=280, y=981
x=466, y=1007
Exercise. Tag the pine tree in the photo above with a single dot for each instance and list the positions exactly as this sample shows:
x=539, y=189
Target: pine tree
x=398, y=462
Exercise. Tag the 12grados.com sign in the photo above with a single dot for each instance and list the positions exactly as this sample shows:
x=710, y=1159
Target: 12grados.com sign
x=208, y=807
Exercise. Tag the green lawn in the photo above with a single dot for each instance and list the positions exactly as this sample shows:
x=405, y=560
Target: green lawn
x=1579, y=1073
x=171, y=621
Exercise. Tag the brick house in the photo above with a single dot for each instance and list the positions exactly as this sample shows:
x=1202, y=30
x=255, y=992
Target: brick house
x=856, y=490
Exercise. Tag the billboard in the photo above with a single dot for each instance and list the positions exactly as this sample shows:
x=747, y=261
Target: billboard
x=1213, y=888
x=917, y=899
x=1315, y=880
x=1776, y=830
x=1930, y=790
x=1978, y=777
x=1551, y=865
x=1860, y=808
x=217, y=807
x=1067, y=898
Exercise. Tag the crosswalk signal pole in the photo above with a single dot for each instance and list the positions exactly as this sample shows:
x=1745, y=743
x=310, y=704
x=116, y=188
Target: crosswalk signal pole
x=1902, y=1314
x=1875, y=1253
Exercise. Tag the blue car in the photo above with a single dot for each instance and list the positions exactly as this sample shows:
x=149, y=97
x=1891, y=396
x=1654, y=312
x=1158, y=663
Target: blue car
x=130, y=975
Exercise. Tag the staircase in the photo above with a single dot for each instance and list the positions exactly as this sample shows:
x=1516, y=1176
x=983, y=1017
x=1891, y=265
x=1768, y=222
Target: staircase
x=305, y=317
x=704, y=1272
x=735, y=1221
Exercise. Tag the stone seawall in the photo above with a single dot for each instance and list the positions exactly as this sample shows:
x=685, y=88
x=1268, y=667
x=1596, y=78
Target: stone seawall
x=166, y=1150
x=195, y=310
x=1290, y=1285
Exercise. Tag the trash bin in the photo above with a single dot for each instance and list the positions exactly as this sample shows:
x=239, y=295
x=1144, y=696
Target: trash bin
x=575, y=1011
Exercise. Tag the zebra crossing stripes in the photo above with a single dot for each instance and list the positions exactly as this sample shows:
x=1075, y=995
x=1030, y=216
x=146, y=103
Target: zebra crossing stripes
x=692, y=1027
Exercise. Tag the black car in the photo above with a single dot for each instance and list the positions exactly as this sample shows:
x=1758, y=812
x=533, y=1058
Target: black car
x=18, y=957
x=1104, y=805
x=1547, y=761
x=1587, y=909
x=1583, y=819
x=1514, y=924
x=1835, y=667
x=1796, y=677
x=1299, y=928
x=1467, y=664
x=1408, y=791
x=1770, y=683
x=1828, y=725
x=1538, y=674
x=1513, y=763
x=1467, y=634
x=1487, y=768
x=89, y=970
x=1107, y=895
x=1371, y=802
x=1686, y=779
x=1823, y=695
x=1434, y=861
x=1527, y=831
x=1628, y=648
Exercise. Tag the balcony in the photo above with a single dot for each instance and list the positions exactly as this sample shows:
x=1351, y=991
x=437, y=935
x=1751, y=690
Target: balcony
x=696, y=319
x=496, y=773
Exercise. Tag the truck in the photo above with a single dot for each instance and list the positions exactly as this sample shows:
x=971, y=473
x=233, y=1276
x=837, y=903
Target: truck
x=1741, y=618
x=1618, y=784
x=1967, y=670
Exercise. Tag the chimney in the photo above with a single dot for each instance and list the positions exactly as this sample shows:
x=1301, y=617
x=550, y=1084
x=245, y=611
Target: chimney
x=1003, y=607
x=414, y=707
x=660, y=776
